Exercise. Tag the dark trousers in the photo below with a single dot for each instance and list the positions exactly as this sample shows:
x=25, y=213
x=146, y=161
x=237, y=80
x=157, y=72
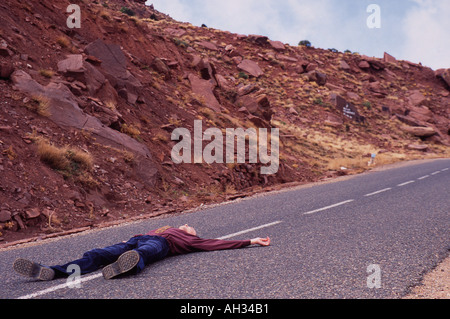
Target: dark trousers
x=150, y=249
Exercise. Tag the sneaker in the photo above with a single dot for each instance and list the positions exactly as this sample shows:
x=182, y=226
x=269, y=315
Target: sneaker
x=33, y=270
x=126, y=262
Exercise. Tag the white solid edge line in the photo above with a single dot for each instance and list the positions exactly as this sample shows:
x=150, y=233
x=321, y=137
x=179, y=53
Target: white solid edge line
x=328, y=207
x=378, y=192
x=62, y=286
x=406, y=183
x=95, y=276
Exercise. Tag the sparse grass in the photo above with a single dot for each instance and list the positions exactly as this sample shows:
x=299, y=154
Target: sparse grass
x=10, y=153
x=83, y=159
x=128, y=157
x=162, y=137
x=112, y=105
x=52, y=156
x=63, y=42
x=39, y=104
x=47, y=73
x=131, y=130
x=71, y=162
x=105, y=15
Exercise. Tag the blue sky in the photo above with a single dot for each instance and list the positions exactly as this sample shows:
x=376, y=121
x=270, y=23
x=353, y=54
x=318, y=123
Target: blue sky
x=414, y=30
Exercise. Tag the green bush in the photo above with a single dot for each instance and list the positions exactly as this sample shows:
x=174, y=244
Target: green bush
x=128, y=11
x=305, y=43
x=243, y=75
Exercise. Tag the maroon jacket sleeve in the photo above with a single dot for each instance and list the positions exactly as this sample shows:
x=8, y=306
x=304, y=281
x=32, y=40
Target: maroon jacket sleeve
x=181, y=242
x=217, y=244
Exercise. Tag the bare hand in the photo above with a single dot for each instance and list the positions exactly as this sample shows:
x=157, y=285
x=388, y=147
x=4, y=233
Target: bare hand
x=261, y=241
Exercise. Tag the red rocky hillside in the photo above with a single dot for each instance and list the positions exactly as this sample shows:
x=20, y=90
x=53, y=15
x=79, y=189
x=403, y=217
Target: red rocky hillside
x=86, y=114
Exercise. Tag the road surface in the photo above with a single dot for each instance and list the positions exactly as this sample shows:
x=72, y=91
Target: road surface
x=370, y=236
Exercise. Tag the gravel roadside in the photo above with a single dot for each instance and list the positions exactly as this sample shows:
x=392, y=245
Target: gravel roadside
x=435, y=285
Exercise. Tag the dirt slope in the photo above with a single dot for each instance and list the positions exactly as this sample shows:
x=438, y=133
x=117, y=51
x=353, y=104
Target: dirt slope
x=86, y=114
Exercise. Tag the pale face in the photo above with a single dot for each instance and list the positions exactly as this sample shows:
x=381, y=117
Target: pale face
x=188, y=229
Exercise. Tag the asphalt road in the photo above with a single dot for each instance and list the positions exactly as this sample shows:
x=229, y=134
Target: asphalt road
x=324, y=237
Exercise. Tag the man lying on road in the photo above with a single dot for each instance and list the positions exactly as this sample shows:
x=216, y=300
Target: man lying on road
x=132, y=256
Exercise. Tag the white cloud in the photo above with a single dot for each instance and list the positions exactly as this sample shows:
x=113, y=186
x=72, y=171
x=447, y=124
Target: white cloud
x=287, y=20
x=415, y=30
x=426, y=28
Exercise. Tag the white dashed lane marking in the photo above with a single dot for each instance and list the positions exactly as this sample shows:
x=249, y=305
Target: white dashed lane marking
x=328, y=207
x=406, y=183
x=378, y=192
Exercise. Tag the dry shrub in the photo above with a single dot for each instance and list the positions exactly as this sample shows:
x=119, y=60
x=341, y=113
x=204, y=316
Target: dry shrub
x=64, y=159
x=52, y=156
x=39, y=104
x=47, y=73
x=69, y=161
x=63, y=42
x=82, y=158
x=131, y=130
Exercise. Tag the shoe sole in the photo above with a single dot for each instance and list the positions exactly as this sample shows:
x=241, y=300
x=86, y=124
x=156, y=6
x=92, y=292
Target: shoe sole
x=126, y=262
x=31, y=269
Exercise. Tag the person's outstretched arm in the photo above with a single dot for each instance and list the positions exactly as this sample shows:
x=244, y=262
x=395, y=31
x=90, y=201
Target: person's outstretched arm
x=218, y=244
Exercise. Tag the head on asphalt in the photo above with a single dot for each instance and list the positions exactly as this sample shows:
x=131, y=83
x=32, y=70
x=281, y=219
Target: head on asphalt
x=188, y=229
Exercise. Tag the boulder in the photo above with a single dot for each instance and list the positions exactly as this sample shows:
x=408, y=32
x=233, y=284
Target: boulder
x=4, y=51
x=114, y=65
x=364, y=65
x=207, y=70
x=259, y=122
x=344, y=66
x=419, y=131
x=208, y=45
x=311, y=67
x=251, y=68
x=75, y=67
x=257, y=105
x=333, y=120
x=408, y=120
x=421, y=113
x=204, y=89
x=317, y=76
x=159, y=66
x=5, y=216
x=6, y=69
x=277, y=45
x=418, y=147
x=444, y=74
x=389, y=58
x=416, y=98
x=32, y=213
x=258, y=39
x=72, y=64
x=287, y=58
x=65, y=112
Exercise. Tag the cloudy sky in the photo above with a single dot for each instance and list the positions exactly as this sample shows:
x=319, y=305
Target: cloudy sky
x=414, y=30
